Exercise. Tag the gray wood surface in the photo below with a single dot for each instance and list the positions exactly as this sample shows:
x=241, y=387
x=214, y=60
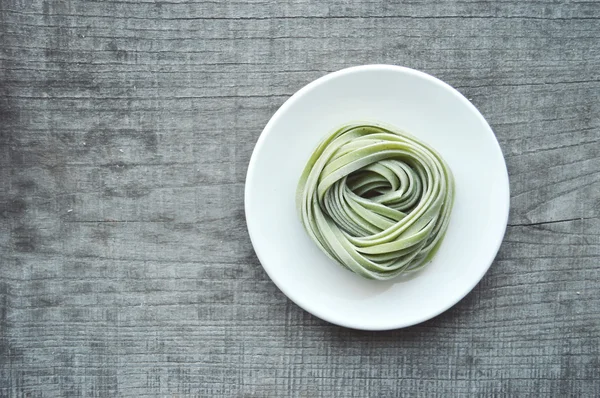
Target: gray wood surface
x=126, y=127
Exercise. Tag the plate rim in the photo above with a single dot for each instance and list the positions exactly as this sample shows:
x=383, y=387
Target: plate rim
x=352, y=323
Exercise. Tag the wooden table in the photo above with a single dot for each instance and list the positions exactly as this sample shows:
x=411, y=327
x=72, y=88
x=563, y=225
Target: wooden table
x=125, y=133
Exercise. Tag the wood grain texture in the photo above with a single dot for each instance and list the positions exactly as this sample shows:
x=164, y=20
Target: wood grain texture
x=126, y=128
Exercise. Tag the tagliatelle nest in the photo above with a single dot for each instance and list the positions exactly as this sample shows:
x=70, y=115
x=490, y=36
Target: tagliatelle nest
x=375, y=200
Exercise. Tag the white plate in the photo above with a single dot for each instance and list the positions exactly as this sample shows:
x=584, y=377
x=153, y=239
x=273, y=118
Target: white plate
x=418, y=104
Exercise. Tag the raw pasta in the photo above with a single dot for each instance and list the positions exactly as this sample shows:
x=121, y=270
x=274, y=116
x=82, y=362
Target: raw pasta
x=376, y=200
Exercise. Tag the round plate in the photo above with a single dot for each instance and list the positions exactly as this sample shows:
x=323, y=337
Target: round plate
x=421, y=105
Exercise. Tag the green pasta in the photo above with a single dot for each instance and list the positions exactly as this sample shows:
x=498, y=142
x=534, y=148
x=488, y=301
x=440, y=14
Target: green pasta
x=376, y=200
